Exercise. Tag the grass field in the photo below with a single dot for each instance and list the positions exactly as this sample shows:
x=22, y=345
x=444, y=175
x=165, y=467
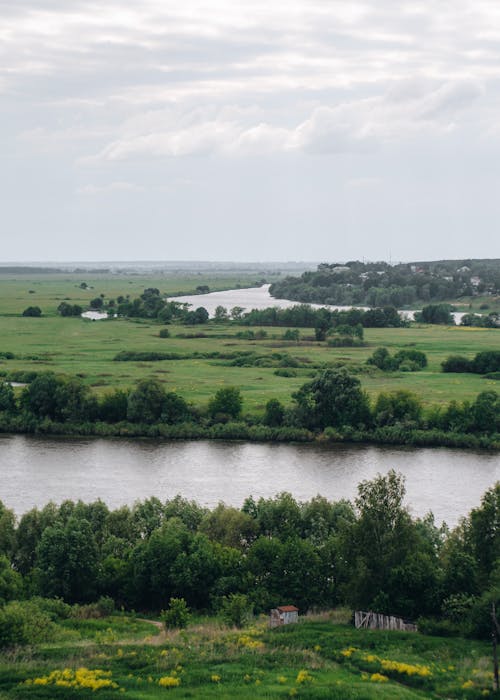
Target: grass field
x=80, y=347
x=317, y=658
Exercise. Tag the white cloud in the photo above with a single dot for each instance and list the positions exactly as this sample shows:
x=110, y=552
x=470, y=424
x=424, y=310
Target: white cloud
x=348, y=127
x=91, y=189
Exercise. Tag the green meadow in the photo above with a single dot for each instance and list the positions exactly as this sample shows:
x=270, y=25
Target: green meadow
x=76, y=346
x=320, y=657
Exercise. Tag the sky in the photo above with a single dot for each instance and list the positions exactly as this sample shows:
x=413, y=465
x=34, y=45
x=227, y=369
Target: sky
x=314, y=130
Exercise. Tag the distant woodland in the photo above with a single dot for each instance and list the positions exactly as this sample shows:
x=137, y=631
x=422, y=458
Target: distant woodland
x=378, y=284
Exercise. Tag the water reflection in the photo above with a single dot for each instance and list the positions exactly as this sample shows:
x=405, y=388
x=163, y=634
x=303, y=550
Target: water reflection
x=35, y=470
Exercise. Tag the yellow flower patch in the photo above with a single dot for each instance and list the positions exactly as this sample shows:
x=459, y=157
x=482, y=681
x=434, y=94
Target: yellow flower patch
x=82, y=678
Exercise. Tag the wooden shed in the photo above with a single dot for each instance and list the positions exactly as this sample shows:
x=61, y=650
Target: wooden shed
x=283, y=615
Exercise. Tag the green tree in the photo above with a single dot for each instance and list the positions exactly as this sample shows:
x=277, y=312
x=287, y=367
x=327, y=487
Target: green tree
x=227, y=401
x=236, y=609
x=398, y=407
x=221, y=314
x=177, y=616
x=275, y=413
x=146, y=402
x=33, y=311
x=113, y=406
x=175, y=409
x=67, y=561
x=11, y=582
x=7, y=398
x=333, y=399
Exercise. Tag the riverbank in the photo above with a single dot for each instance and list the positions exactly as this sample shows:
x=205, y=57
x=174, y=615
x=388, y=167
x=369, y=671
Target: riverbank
x=239, y=430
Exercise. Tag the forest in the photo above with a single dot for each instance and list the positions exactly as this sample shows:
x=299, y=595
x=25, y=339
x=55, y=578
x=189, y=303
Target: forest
x=382, y=284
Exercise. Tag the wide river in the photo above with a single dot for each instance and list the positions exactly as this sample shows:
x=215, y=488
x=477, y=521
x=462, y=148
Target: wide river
x=36, y=470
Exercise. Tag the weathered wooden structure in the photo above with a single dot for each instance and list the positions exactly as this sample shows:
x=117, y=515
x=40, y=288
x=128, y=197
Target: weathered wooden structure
x=283, y=615
x=377, y=621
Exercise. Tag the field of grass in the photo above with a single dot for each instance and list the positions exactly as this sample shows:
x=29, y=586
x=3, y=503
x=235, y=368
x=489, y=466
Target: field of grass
x=317, y=658
x=80, y=347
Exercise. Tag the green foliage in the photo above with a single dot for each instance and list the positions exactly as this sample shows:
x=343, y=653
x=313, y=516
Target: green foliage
x=11, y=583
x=145, y=402
x=67, y=561
x=177, y=616
x=436, y=313
x=275, y=413
x=23, y=623
x=33, y=311
x=227, y=401
x=335, y=398
x=7, y=398
x=164, y=333
x=398, y=407
x=236, y=609
x=65, y=309
x=404, y=360
x=113, y=406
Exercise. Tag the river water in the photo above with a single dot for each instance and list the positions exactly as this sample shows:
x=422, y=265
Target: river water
x=36, y=470
x=259, y=298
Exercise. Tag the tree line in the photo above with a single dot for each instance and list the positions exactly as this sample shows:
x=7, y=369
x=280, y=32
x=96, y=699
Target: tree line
x=332, y=405
x=382, y=284
x=367, y=554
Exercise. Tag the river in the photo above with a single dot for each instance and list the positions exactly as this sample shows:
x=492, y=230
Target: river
x=36, y=470
x=259, y=298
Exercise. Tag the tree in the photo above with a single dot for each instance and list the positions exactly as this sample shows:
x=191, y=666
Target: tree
x=11, y=582
x=177, y=616
x=221, y=314
x=236, y=609
x=275, y=413
x=382, y=538
x=333, y=399
x=7, y=398
x=397, y=407
x=33, y=311
x=436, y=313
x=113, y=406
x=146, y=402
x=175, y=409
x=67, y=561
x=227, y=401
x=65, y=309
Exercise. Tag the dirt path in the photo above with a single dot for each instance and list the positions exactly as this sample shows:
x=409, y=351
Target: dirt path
x=155, y=639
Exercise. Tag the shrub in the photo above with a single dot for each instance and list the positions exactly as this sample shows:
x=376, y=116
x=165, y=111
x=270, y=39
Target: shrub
x=226, y=401
x=23, y=623
x=164, y=333
x=33, y=311
x=275, y=413
x=456, y=363
x=177, y=616
x=236, y=609
x=284, y=372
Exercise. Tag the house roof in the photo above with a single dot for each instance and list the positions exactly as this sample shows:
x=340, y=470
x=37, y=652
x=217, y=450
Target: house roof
x=287, y=608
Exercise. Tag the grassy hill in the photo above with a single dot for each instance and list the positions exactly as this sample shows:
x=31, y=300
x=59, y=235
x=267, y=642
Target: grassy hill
x=321, y=657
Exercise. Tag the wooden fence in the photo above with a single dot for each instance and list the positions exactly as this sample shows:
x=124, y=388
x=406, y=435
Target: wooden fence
x=377, y=621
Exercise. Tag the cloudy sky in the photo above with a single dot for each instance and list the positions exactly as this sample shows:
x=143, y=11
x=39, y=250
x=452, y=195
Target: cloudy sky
x=237, y=130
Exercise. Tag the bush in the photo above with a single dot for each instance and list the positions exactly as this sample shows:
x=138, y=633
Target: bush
x=23, y=623
x=456, y=363
x=274, y=414
x=33, y=311
x=177, y=616
x=164, y=333
x=226, y=401
x=416, y=357
x=236, y=609
x=283, y=372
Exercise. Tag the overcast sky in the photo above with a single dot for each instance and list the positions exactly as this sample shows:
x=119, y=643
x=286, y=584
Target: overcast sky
x=236, y=130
